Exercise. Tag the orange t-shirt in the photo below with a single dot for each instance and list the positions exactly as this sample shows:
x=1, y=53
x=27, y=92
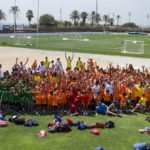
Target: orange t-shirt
x=38, y=99
x=55, y=100
x=107, y=97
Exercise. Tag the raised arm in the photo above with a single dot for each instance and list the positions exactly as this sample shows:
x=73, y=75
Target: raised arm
x=16, y=61
x=26, y=61
x=65, y=56
x=72, y=56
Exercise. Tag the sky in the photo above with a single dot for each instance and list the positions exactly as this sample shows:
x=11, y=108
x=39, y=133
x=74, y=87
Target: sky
x=139, y=9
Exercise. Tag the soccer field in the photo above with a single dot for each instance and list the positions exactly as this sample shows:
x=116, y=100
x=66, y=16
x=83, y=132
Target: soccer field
x=122, y=137
x=98, y=43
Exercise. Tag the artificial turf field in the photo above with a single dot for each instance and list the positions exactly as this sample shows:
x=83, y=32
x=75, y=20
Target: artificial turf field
x=122, y=137
x=99, y=43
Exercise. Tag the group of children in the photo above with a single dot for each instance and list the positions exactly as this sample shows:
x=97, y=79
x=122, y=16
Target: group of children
x=80, y=90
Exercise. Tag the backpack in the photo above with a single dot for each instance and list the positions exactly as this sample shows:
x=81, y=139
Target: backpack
x=19, y=121
x=53, y=129
x=109, y=124
x=140, y=146
x=148, y=119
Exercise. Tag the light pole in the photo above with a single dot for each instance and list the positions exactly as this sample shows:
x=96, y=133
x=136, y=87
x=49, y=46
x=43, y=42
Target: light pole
x=148, y=21
x=96, y=6
x=129, y=17
x=14, y=21
x=37, y=34
x=60, y=17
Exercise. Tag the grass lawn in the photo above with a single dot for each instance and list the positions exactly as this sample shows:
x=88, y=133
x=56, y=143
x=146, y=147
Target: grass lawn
x=99, y=43
x=122, y=137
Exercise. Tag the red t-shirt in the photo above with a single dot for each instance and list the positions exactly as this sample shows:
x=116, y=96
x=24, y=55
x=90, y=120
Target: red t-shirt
x=73, y=108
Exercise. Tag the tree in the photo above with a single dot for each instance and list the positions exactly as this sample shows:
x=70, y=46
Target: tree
x=130, y=25
x=106, y=19
x=92, y=18
x=118, y=19
x=15, y=11
x=75, y=16
x=97, y=18
x=111, y=21
x=67, y=23
x=29, y=15
x=2, y=15
x=47, y=20
x=84, y=16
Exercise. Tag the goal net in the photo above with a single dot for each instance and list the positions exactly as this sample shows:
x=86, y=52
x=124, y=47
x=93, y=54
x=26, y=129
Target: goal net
x=133, y=47
x=22, y=39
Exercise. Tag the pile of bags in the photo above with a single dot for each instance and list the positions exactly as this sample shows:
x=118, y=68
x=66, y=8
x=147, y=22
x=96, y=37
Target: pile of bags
x=65, y=126
x=21, y=121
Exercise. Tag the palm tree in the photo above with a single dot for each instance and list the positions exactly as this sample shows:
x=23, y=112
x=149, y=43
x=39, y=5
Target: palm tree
x=111, y=21
x=84, y=16
x=29, y=15
x=75, y=16
x=14, y=10
x=2, y=15
x=97, y=18
x=93, y=18
x=118, y=18
x=106, y=19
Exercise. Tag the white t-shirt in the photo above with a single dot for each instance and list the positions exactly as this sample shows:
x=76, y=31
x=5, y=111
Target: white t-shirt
x=96, y=90
x=1, y=73
x=58, y=66
x=109, y=87
x=42, y=68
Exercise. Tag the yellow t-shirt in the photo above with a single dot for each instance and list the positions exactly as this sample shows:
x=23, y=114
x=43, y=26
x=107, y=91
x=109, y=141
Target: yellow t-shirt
x=46, y=63
x=69, y=61
x=143, y=101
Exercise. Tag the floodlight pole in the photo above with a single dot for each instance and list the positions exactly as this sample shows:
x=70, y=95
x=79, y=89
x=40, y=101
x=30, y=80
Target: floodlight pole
x=148, y=21
x=37, y=34
x=14, y=22
x=96, y=6
x=60, y=17
x=129, y=17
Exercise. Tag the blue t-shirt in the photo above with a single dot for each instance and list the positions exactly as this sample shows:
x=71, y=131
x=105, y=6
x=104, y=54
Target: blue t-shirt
x=101, y=109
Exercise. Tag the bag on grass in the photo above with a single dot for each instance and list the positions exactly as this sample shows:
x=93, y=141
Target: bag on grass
x=3, y=123
x=65, y=128
x=13, y=118
x=53, y=129
x=81, y=126
x=140, y=146
x=50, y=124
x=19, y=121
x=148, y=119
x=42, y=134
x=2, y=117
x=99, y=125
x=31, y=122
x=109, y=124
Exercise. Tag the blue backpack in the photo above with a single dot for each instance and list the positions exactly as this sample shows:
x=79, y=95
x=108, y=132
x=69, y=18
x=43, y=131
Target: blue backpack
x=140, y=146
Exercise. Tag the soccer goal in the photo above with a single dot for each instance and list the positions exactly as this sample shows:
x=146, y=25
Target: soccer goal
x=23, y=40
x=133, y=47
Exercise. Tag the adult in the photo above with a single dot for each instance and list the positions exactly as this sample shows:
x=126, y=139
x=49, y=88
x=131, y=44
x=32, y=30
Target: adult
x=1, y=72
x=69, y=61
x=103, y=109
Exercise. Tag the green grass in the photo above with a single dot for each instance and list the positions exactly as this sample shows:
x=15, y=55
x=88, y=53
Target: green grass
x=99, y=43
x=122, y=137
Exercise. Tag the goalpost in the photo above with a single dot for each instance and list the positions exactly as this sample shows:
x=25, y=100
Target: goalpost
x=133, y=47
x=21, y=38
